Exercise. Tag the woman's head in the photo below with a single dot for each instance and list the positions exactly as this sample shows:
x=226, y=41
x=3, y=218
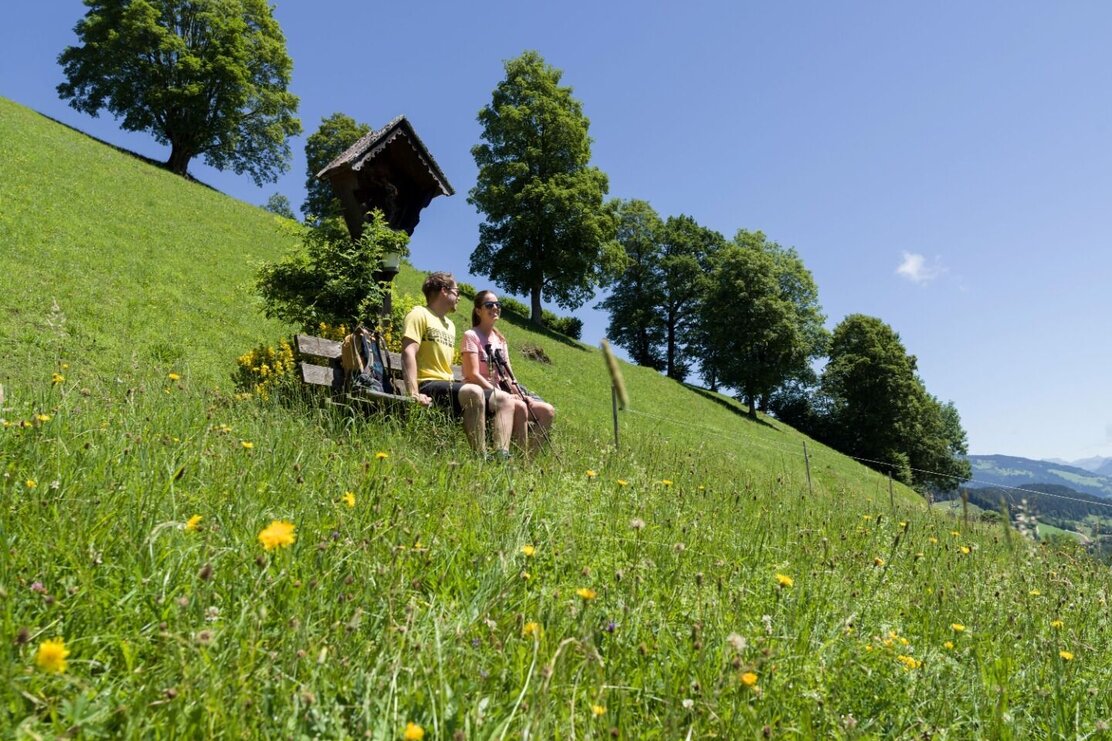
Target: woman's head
x=486, y=306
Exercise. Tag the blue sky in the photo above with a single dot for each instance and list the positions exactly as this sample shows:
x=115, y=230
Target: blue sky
x=945, y=167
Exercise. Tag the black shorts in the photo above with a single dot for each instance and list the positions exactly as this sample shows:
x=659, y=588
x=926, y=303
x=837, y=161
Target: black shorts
x=446, y=393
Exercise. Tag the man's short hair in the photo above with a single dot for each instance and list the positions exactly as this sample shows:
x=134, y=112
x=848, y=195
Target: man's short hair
x=435, y=283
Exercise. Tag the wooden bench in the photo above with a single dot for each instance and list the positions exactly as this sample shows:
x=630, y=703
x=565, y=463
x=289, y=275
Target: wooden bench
x=332, y=375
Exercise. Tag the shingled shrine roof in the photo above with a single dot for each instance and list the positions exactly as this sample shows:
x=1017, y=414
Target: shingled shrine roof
x=372, y=145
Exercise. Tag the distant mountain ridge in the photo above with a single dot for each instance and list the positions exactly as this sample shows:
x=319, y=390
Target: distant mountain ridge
x=1007, y=470
x=1096, y=464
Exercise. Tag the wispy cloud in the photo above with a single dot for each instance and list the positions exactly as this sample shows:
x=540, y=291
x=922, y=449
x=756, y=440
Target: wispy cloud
x=918, y=269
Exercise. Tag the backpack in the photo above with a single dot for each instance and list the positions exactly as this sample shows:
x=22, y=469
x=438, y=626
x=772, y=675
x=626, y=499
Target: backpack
x=361, y=356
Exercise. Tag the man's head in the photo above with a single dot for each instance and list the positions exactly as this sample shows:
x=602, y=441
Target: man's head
x=441, y=292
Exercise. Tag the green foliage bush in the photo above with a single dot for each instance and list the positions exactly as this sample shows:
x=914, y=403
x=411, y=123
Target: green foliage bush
x=329, y=277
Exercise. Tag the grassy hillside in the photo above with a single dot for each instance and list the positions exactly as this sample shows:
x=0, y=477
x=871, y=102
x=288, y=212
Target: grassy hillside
x=689, y=584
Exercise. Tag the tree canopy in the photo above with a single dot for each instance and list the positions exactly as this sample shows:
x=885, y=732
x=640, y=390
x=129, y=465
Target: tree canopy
x=634, y=304
x=207, y=77
x=547, y=232
x=336, y=133
x=880, y=411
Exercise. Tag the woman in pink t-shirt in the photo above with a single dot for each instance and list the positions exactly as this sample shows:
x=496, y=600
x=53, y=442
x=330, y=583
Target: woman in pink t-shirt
x=484, y=340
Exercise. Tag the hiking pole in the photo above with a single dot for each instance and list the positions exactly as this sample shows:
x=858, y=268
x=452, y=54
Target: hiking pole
x=506, y=372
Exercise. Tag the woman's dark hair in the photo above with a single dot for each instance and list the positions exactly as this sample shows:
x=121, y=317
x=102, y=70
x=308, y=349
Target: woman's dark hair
x=476, y=319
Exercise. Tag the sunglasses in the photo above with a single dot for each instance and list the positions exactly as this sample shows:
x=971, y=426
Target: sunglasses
x=492, y=305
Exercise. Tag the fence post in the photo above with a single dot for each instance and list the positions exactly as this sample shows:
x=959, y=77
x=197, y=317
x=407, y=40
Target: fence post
x=807, y=462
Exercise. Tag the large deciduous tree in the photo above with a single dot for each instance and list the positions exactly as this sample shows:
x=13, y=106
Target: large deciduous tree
x=688, y=251
x=880, y=411
x=207, y=77
x=547, y=232
x=336, y=133
x=634, y=304
x=752, y=325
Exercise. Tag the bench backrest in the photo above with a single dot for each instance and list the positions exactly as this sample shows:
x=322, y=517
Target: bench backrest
x=333, y=374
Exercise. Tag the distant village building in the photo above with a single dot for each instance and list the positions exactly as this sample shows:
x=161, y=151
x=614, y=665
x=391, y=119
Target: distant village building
x=390, y=170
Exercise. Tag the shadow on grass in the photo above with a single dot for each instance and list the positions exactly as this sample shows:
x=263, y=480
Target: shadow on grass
x=524, y=323
x=732, y=404
x=142, y=158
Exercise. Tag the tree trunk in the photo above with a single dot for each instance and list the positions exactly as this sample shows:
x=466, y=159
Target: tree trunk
x=179, y=159
x=535, y=306
x=752, y=406
x=671, y=347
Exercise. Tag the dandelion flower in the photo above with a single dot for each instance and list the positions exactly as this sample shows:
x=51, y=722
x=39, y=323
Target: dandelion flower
x=749, y=679
x=413, y=732
x=666, y=482
x=957, y=627
x=381, y=456
x=57, y=378
x=955, y=533
x=528, y=550
x=783, y=580
x=1057, y=624
x=878, y=561
x=1066, y=655
x=622, y=482
x=526, y=576
x=591, y=474
x=30, y=483
x=247, y=444
x=173, y=376
x=42, y=417
x=965, y=550
x=598, y=710
x=349, y=499
x=586, y=593
x=51, y=656
x=531, y=628
x=948, y=645
x=737, y=641
x=909, y=662
x=1034, y=593
x=637, y=523
x=932, y=539
x=278, y=534
x=192, y=523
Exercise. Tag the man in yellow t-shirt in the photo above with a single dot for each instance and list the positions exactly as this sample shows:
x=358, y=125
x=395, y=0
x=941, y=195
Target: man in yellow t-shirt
x=428, y=345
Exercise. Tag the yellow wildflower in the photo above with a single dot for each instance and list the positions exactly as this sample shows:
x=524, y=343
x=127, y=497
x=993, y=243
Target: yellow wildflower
x=591, y=474
x=878, y=561
x=349, y=499
x=57, y=378
x=598, y=710
x=948, y=645
x=192, y=523
x=666, y=482
x=932, y=539
x=526, y=576
x=622, y=482
x=955, y=533
x=1034, y=593
x=42, y=417
x=749, y=679
x=1067, y=655
x=51, y=656
x=528, y=550
x=965, y=550
x=277, y=534
x=247, y=444
x=586, y=593
x=1057, y=624
x=381, y=456
x=30, y=483
x=909, y=662
x=783, y=580
x=413, y=732
x=531, y=628
x=957, y=627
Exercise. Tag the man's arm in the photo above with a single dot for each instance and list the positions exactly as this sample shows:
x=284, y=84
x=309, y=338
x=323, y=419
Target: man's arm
x=409, y=370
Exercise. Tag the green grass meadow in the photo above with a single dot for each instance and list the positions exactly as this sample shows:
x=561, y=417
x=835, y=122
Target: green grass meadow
x=693, y=583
